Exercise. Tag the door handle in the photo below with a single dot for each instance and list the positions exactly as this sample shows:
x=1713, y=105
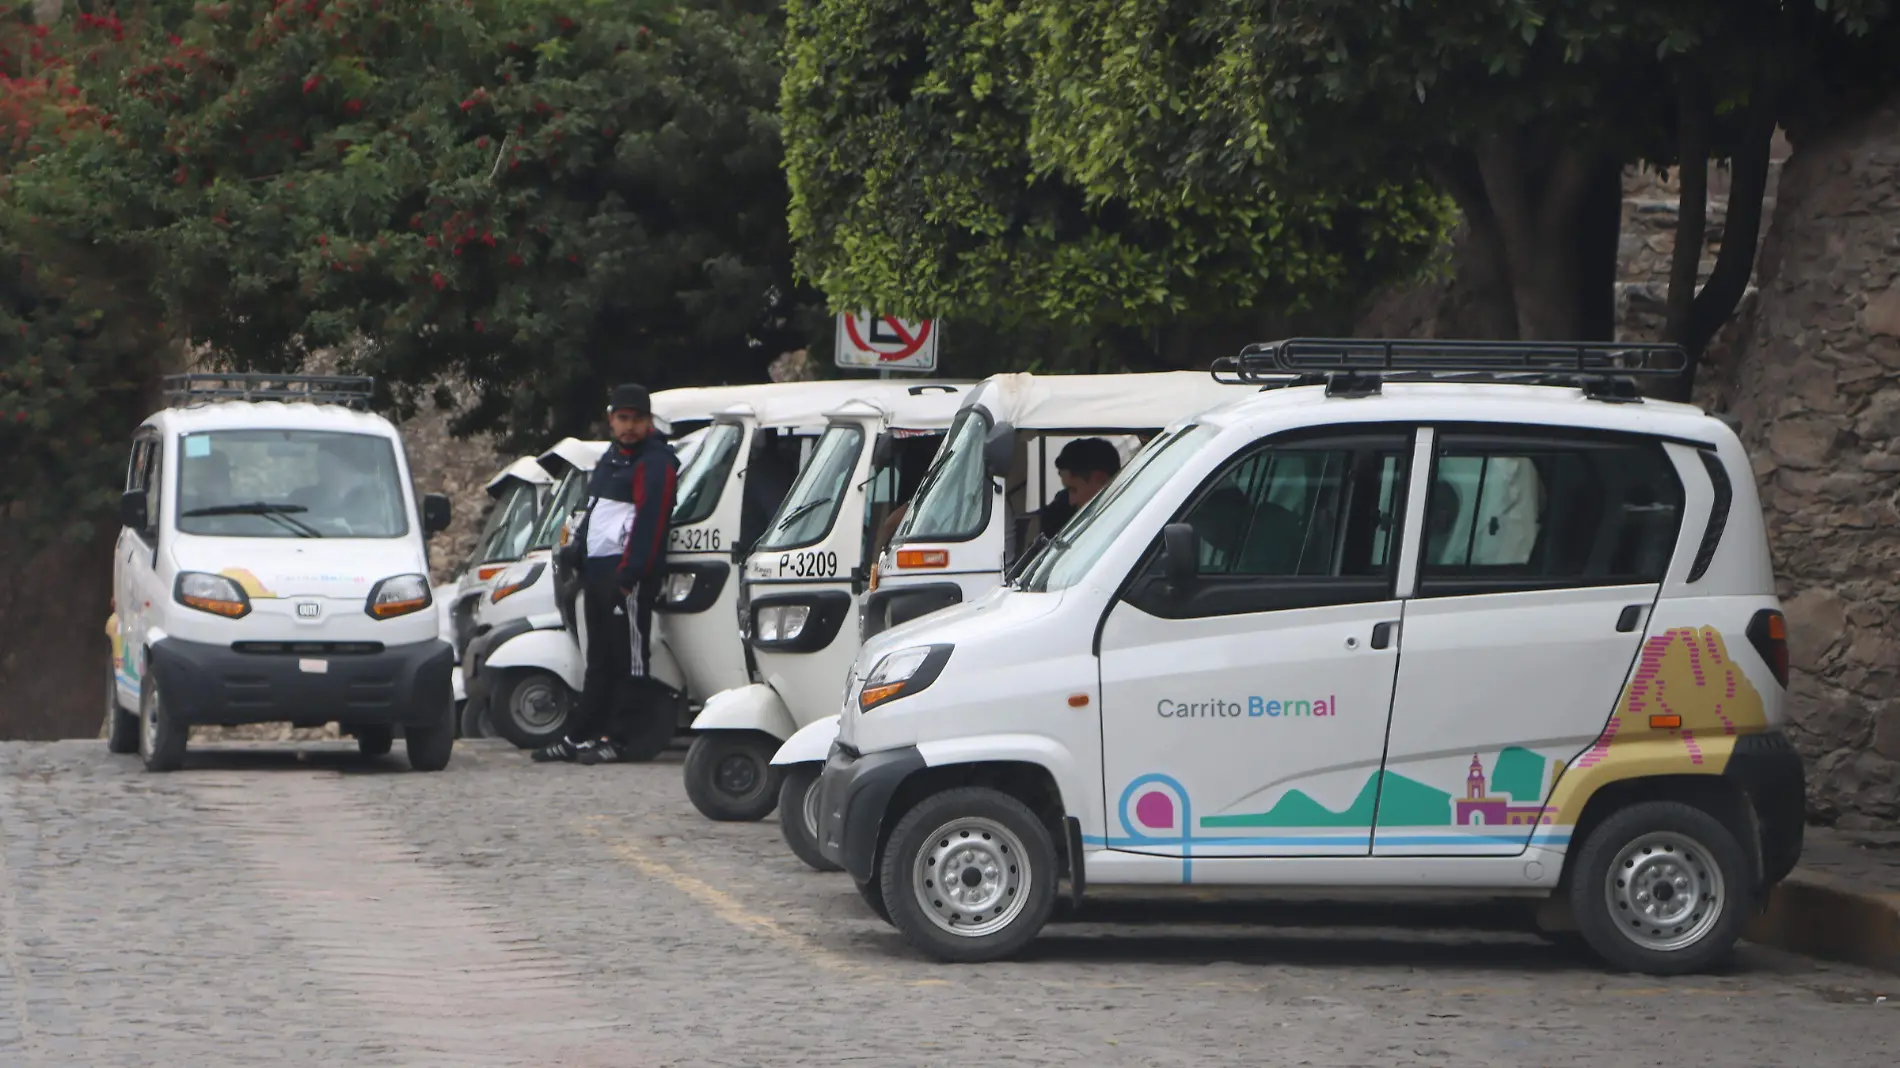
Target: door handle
x=1382, y=634
x=1632, y=615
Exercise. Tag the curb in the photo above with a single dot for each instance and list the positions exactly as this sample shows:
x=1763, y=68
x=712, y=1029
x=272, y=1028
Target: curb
x=1821, y=917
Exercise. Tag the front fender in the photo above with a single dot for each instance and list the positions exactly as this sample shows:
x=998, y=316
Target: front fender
x=546, y=650
x=664, y=667
x=1037, y=749
x=811, y=745
x=757, y=707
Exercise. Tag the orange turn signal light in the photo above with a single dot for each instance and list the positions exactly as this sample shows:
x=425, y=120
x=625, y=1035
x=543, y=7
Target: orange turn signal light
x=486, y=573
x=875, y=695
x=392, y=609
x=923, y=558
x=1078, y=700
x=1667, y=723
x=227, y=609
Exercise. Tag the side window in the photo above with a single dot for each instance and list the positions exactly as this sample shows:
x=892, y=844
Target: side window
x=135, y=468
x=154, y=485
x=1295, y=525
x=1531, y=513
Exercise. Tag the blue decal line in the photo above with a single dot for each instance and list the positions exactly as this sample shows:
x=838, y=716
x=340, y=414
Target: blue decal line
x=1328, y=841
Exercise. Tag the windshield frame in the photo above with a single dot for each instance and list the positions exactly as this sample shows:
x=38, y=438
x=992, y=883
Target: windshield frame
x=390, y=460
x=796, y=497
x=986, y=424
x=695, y=474
x=1084, y=529
x=548, y=526
x=517, y=497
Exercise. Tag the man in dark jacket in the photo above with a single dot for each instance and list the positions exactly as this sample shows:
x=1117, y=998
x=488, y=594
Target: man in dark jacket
x=620, y=545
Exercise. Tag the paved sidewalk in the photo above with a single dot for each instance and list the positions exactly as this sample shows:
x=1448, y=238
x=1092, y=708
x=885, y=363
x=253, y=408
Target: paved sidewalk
x=1842, y=902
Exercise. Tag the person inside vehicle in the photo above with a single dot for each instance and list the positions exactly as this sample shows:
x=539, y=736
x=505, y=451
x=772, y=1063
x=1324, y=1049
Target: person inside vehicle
x=617, y=550
x=1084, y=465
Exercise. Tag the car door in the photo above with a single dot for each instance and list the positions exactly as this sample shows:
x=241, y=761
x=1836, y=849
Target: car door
x=138, y=552
x=1542, y=556
x=1248, y=717
x=126, y=612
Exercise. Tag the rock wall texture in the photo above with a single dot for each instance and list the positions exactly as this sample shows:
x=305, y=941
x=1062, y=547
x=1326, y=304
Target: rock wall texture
x=1816, y=387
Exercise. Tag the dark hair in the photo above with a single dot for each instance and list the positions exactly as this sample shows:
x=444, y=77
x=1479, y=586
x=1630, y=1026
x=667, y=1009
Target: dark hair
x=1085, y=456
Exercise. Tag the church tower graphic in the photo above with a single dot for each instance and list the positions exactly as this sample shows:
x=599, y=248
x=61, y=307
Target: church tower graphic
x=1479, y=809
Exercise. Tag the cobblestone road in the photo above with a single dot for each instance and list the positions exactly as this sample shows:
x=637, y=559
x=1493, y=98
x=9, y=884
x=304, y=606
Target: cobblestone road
x=296, y=907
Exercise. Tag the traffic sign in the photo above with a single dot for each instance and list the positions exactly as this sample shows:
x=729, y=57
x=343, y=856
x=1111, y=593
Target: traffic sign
x=887, y=343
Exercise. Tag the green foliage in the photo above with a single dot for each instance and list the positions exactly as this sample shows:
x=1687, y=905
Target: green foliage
x=921, y=186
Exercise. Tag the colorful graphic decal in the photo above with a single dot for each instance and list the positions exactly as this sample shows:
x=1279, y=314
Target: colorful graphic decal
x=248, y=582
x=1683, y=672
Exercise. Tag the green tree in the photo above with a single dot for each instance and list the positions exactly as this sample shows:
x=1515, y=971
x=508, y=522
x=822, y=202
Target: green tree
x=917, y=190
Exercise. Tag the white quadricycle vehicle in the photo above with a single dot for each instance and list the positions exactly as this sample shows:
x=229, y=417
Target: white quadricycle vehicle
x=520, y=492
x=272, y=567
x=978, y=508
x=797, y=605
x=1429, y=616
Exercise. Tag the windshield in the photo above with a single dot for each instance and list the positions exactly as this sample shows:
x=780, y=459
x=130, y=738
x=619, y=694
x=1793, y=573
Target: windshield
x=1070, y=554
x=567, y=497
x=812, y=506
x=954, y=497
x=505, y=535
x=705, y=477
x=290, y=484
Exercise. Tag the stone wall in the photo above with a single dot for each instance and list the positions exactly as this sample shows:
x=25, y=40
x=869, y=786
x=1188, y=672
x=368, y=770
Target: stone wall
x=1816, y=385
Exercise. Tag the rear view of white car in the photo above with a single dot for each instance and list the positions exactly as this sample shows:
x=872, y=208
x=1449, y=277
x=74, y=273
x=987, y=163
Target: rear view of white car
x=272, y=567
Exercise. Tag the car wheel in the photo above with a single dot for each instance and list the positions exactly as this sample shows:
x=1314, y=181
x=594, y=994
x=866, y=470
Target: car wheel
x=162, y=738
x=374, y=741
x=1661, y=888
x=798, y=815
x=430, y=747
x=969, y=875
x=122, y=727
x=531, y=708
x=729, y=775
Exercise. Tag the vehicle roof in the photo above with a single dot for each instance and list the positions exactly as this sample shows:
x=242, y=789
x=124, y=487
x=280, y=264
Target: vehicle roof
x=526, y=469
x=910, y=404
x=1485, y=402
x=571, y=452
x=270, y=415
x=1100, y=402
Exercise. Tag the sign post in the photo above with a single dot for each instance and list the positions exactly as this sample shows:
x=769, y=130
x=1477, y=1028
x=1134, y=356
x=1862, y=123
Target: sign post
x=886, y=343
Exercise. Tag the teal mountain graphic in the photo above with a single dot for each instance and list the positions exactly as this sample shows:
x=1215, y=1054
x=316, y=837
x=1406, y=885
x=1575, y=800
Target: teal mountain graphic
x=1405, y=803
x=1519, y=773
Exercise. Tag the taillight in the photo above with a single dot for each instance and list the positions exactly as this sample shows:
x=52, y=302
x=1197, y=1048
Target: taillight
x=1768, y=633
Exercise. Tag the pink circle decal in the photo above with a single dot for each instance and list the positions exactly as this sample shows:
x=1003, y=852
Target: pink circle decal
x=1155, y=810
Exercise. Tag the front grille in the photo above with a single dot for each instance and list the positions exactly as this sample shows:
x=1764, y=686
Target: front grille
x=307, y=648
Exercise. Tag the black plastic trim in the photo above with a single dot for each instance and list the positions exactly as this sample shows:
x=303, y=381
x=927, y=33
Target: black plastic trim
x=891, y=606
x=1718, y=513
x=1769, y=770
x=920, y=679
x=829, y=610
x=854, y=799
x=1078, y=878
x=709, y=581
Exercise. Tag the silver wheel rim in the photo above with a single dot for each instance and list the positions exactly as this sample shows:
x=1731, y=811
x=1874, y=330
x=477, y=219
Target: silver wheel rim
x=810, y=809
x=972, y=877
x=1665, y=891
x=148, y=723
x=536, y=707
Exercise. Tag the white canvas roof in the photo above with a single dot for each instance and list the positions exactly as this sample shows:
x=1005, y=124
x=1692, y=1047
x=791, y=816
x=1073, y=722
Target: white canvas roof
x=1101, y=402
x=572, y=452
x=526, y=469
x=910, y=404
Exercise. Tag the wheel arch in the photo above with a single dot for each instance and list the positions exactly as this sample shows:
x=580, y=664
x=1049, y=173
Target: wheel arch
x=1720, y=797
x=1035, y=785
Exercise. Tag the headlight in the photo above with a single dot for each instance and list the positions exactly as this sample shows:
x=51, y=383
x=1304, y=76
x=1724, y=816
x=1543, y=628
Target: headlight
x=677, y=587
x=211, y=593
x=516, y=579
x=782, y=622
x=901, y=674
x=399, y=595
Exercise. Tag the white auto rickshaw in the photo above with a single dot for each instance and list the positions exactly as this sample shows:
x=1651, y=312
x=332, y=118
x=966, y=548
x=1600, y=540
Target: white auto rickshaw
x=975, y=515
x=520, y=492
x=797, y=604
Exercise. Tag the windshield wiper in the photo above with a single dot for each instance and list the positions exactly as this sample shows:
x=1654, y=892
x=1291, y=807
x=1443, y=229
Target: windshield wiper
x=799, y=511
x=280, y=513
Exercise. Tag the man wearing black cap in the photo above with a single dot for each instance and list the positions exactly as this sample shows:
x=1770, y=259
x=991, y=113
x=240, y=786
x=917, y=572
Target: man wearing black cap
x=623, y=539
x=1084, y=465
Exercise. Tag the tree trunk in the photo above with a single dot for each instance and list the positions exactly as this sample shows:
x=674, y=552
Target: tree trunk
x=1692, y=180
x=1551, y=241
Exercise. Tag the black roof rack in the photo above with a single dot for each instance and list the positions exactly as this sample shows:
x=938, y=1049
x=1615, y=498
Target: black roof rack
x=1357, y=367
x=188, y=390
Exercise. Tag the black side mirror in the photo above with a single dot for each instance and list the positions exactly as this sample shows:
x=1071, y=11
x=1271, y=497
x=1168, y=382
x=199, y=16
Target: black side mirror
x=999, y=451
x=1180, y=561
x=133, y=510
x=883, y=450
x=435, y=514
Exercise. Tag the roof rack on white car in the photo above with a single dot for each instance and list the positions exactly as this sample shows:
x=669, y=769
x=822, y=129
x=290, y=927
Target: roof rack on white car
x=1357, y=367
x=189, y=390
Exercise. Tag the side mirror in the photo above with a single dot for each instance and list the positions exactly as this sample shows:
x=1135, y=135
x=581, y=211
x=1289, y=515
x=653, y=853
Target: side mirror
x=435, y=514
x=1180, y=561
x=133, y=510
x=883, y=450
x=999, y=451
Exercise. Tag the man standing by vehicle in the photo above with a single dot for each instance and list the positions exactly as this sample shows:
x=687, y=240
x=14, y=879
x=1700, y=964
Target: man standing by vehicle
x=619, y=546
x=1084, y=465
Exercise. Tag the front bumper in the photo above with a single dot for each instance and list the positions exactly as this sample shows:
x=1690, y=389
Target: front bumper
x=400, y=685
x=477, y=685
x=854, y=798
x=1769, y=771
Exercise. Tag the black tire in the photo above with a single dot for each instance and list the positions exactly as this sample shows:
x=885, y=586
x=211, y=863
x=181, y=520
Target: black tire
x=798, y=815
x=652, y=718
x=873, y=899
x=374, y=741
x=122, y=727
x=531, y=708
x=1015, y=882
x=162, y=738
x=1643, y=858
x=430, y=747
x=470, y=723
x=730, y=777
